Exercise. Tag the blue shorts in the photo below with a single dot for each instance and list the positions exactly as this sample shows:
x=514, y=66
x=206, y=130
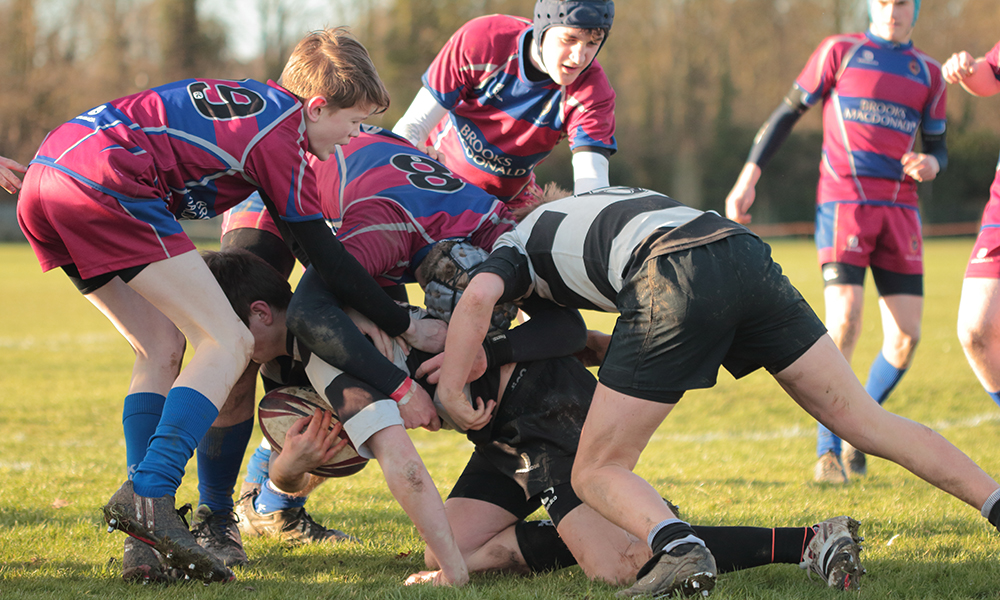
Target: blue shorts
x=685, y=314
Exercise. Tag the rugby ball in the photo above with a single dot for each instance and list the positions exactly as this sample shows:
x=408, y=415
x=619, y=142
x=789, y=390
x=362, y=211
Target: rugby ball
x=279, y=410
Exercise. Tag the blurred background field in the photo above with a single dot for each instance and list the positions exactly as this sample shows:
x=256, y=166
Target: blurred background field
x=695, y=79
x=741, y=453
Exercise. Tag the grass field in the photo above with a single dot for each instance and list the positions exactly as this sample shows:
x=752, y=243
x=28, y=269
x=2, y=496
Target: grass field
x=741, y=453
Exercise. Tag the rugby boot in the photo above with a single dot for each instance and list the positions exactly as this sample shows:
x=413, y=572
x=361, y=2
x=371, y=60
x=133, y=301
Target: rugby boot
x=855, y=461
x=687, y=570
x=142, y=564
x=834, y=553
x=218, y=533
x=829, y=469
x=291, y=525
x=156, y=522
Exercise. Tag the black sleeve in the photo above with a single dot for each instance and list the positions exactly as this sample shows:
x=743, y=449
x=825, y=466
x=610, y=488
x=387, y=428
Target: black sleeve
x=776, y=129
x=936, y=146
x=605, y=152
x=552, y=331
x=314, y=317
x=511, y=266
x=346, y=278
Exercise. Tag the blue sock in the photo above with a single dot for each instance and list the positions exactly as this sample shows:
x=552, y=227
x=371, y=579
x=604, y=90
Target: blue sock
x=257, y=466
x=995, y=396
x=826, y=441
x=220, y=456
x=882, y=378
x=140, y=417
x=187, y=415
x=271, y=500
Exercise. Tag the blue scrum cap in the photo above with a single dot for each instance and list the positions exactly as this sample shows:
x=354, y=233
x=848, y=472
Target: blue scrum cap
x=916, y=10
x=580, y=14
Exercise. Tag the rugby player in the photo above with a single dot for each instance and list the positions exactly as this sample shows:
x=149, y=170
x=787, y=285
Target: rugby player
x=694, y=292
x=102, y=199
x=878, y=91
x=978, y=322
x=505, y=90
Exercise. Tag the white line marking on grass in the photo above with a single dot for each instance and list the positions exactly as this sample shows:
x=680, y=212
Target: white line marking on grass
x=809, y=432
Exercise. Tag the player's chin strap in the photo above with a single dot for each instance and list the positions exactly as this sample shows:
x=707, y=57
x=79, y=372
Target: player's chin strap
x=441, y=296
x=579, y=14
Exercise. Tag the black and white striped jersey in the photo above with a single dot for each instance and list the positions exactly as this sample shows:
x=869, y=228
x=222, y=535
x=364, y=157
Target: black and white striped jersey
x=579, y=250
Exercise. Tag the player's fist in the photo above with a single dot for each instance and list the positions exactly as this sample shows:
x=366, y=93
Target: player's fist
x=741, y=197
x=8, y=180
x=958, y=67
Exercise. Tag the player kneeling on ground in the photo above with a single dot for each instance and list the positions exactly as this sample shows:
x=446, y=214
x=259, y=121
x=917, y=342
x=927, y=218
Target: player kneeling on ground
x=694, y=291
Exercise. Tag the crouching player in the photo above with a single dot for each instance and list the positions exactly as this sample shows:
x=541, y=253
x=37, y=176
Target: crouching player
x=524, y=458
x=694, y=292
x=102, y=199
x=371, y=419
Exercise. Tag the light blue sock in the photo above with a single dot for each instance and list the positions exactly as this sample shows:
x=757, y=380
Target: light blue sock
x=187, y=415
x=220, y=456
x=882, y=378
x=995, y=396
x=257, y=466
x=140, y=416
x=271, y=500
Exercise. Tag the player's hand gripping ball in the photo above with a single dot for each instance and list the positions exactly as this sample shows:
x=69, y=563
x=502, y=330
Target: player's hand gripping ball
x=279, y=409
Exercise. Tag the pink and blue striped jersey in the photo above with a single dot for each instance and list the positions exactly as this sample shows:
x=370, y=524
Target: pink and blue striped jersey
x=200, y=145
x=501, y=124
x=876, y=96
x=390, y=202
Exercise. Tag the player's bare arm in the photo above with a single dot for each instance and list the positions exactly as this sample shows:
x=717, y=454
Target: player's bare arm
x=972, y=73
x=309, y=443
x=426, y=334
x=468, y=327
x=8, y=180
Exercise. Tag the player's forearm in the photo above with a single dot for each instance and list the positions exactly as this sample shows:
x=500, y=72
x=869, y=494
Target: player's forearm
x=347, y=279
x=466, y=331
x=590, y=171
x=412, y=487
x=420, y=118
x=776, y=129
x=285, y=477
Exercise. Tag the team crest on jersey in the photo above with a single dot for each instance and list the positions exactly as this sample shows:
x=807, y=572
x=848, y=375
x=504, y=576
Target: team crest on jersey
x=914, y=244
x=868, y=58
x=914, y=67
x=852, y=242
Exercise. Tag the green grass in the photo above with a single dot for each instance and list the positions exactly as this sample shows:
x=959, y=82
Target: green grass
x=741, y=453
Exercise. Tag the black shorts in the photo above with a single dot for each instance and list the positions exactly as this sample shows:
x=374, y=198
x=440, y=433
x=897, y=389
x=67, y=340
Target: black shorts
x=684, y=314
x=92, y=284
x=482, y=481
x=536, y=429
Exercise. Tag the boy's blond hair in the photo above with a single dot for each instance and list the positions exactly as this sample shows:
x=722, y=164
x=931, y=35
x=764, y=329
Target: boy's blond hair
x=331, y=63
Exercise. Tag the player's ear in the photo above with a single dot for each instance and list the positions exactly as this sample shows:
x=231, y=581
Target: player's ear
x=314, y=107
x=263, y=311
